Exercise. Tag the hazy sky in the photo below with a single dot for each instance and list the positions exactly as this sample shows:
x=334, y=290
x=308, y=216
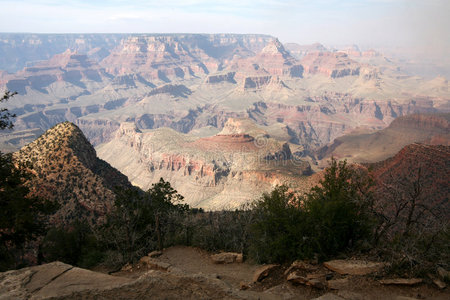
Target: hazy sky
x=365, y=22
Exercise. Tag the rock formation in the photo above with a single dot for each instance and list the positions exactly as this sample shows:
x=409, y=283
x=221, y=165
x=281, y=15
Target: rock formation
x=272, y=60
x=205, y=170
x=333, y=64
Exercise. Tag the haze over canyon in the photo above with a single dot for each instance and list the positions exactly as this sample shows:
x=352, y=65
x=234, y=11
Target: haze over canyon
x=223, y=117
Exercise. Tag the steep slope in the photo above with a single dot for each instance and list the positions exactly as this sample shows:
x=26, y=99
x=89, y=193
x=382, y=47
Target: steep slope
x=67, y=170
x=379, y=145
x=417, y=170
x=221, y=171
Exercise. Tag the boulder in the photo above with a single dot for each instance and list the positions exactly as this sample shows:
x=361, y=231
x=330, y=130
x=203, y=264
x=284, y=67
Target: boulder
x=54, y=280
x=353, y=267
x=401, y=281
x=263, y=272
x=227, y=258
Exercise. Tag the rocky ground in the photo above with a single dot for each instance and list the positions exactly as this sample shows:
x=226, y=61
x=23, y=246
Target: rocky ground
x=189, y=273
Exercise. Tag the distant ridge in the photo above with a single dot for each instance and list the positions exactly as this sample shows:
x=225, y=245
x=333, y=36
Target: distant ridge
x=379, y=145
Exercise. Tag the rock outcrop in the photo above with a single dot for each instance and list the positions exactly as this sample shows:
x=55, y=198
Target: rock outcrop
x=354, y=267
x=54, y=280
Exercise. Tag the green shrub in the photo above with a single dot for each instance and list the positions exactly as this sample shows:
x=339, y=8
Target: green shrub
x=338, y=210
x=75, y=245
x=332, y=218
x=218, y=231
x=140, y=222
x=278, y=230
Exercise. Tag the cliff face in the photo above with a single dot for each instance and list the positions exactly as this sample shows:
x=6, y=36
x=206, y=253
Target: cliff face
x=207, y=171
x=66, y=169
x=155, y=58
x=332, y=64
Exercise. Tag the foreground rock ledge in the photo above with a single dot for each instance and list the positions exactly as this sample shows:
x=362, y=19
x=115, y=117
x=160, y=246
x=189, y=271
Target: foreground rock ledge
x=353, y=267
x=54, y=280
x=227, y=258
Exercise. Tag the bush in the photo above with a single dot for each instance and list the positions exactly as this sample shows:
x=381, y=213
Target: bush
x=75, y=245
x=139, y=222
x=333, y=217
x=219, y=230
x=338, y=210
x=277, y=234
x=23, y=217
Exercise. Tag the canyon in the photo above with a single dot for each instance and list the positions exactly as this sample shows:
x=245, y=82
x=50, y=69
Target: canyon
x=221, y=116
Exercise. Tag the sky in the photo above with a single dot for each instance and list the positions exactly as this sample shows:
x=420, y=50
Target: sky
x=423, y=24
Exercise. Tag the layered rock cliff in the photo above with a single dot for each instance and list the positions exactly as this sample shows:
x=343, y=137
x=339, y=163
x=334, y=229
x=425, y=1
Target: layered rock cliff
x=333, y=64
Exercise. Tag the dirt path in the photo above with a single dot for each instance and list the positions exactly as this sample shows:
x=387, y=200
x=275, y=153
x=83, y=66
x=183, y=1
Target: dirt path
x=193, y=275
x=192, y=260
